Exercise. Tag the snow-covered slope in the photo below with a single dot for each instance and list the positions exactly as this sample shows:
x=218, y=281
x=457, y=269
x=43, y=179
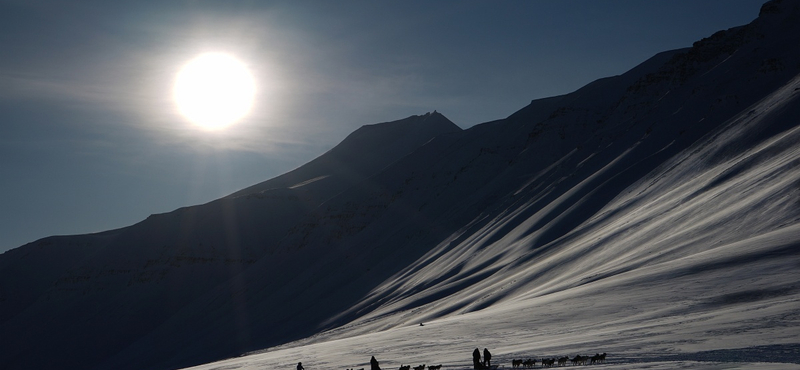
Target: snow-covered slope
x=651, y=215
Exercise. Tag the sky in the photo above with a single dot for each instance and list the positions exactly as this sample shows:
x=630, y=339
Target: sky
x=91, y=139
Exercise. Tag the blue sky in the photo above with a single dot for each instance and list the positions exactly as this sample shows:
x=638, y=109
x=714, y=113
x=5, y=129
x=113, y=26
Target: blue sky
x=90, y=139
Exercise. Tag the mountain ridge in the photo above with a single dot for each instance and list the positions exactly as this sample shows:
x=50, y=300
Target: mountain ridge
x=381, y=144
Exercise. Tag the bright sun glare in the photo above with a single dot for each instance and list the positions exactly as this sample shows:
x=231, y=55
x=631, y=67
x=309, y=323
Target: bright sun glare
x=214, y=90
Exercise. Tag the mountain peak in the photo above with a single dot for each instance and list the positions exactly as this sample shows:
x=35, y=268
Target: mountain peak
x=431, y=122
x=380, y=139
x=778, y=18
x=362, y=153
x=779, y=8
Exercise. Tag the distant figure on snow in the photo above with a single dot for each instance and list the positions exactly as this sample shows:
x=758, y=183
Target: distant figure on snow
x=373, y=363
x=476, y=359
x=487, y=358
x=300, y=366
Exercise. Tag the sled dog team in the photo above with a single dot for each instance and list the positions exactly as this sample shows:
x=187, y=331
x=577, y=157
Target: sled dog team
x=486, y=364
x=420, y=367
x=408, y=367
x=561, y=361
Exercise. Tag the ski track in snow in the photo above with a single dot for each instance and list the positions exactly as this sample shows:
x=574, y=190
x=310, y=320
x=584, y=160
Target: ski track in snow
x=304, y=183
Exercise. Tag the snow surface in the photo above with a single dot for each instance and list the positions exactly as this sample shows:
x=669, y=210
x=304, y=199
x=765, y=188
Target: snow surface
x=652, y=216
x=656, y=287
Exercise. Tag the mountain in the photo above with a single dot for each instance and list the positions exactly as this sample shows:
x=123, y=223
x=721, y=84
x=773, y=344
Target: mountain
x=653, y=215
x=359, y=156
x=105, y=294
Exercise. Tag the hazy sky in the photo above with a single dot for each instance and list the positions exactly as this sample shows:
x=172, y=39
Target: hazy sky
x=90, y=139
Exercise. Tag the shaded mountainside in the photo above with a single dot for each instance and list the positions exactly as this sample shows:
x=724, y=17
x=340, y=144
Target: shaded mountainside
x=169, y=268
x=359, y=156
x=689, y=151
x=684, y=166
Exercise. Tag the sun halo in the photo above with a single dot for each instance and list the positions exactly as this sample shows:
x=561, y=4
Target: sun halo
x=214, y=90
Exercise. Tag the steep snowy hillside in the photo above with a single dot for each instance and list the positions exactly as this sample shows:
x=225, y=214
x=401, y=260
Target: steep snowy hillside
x=652, y=215
x=626, y=173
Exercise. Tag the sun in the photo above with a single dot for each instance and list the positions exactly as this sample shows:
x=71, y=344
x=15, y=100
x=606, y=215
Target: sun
x=214, y=90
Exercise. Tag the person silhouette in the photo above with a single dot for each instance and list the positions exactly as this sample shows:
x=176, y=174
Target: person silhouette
x=373, y=363
x=487, y=358
x=476, y=359
x=300, y=366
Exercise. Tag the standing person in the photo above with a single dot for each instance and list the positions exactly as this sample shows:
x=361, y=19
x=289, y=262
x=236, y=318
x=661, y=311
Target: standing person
x=476, y=359
x=373, y=363
x=487, y=358
x=300, y=366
